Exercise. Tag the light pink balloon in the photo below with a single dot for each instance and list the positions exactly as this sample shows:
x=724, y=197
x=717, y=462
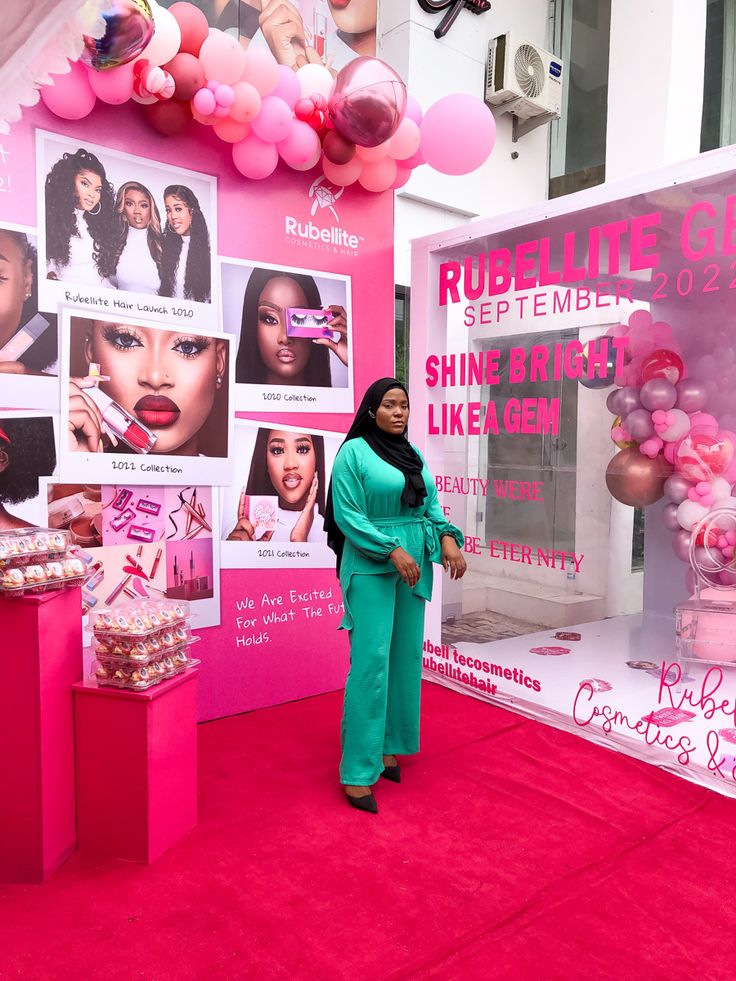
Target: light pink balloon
x=416, y=160
x=114, y=86
x=372, y=154
x=254, y=158
x=289, y=88
x=261, y=70
x=301, y=149
x=342, y=174
x=222, y=57
x=275, y=120
x=224, y=95
x=413, y=110
x=231, y=131
x=247, y=102
x=204, y=102
x=405, y=141
x=378, y=176
x=71, y=95
x=458, y=134
x=402, y=176
x=639, y=319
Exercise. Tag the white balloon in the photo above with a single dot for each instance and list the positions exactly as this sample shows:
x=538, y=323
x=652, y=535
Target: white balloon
x=690, y=512
x=166, y=37
x=315, y=79
x=720, y=488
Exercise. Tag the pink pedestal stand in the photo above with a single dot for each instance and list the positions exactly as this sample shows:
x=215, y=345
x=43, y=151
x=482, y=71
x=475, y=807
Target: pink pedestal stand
x=136, y=767
x=41, y=660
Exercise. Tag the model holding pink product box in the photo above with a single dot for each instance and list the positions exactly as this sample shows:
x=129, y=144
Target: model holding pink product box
x=290, y=466
x=269, y=351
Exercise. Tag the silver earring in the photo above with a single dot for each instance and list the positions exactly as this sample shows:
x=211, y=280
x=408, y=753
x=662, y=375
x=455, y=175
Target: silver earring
x=371, y=413
x=218, y=381
x=99, y=209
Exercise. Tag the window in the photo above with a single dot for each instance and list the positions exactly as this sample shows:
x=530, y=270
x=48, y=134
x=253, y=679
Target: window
x=718, y=127
x=582, y=31
x=401, y=333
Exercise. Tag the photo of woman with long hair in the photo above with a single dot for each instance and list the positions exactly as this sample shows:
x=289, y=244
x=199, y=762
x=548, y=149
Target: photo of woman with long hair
x=185, y=260
x=27, y=452
x=290, y=466
x=28, y=341
x=81, y=226
x=267, y=353
x=169, y=389
x=138, y=266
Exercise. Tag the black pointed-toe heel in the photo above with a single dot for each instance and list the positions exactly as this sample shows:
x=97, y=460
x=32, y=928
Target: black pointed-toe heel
x=392, y=773
x=366, y=803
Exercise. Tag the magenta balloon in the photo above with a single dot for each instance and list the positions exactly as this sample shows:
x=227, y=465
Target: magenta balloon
x=367, y=102
x=275, y=120
x=638, y=424
x=71, y=95
x=676, y=487
x=254, y=158
x=681, y=545
x=692, y=395
x=114, y=87
x=128, y=29
x=669, y=517
x=458, y=134
x=289, y=87
x=658, y=393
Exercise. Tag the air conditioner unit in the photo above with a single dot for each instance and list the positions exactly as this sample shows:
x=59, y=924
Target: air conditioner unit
x=522, y=78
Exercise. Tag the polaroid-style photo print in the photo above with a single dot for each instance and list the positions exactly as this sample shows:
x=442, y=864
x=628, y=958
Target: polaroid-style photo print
x=139, y=543
x=29, y=342
x=144, y=401
x=27, y=459
x=273, y=513
x=119, y=234
x=293, y=337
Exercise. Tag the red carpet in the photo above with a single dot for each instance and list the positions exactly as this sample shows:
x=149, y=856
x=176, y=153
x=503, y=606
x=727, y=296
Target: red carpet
x=510, y=850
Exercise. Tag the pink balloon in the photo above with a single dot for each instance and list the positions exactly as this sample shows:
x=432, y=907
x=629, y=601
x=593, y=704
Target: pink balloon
x=405, y=141
x=372, y=154
x=640, y=319
x=222, y=57
x=114, y=86
x=204, y=102
x=247, y=103
x=342, y=174
x=378, y=176
x=414, y=161
x=70, y=96
x=367, y=102
x=254, y=158
x=301, y=149
x=224, y=96
x=288, y=88
x=413, y=110
x=275, y=120
x=458, y=134
x=402, y=176
x=231, y=131
x=261, y=70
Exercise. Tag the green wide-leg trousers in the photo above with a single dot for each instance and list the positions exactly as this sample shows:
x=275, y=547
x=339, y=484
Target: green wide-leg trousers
x=382, y=692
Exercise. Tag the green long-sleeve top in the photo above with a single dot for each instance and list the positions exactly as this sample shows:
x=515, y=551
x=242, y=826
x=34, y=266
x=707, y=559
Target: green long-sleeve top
x=366, y=496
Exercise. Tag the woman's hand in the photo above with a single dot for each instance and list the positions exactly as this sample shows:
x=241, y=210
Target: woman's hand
x=85, y=420
x=300, y=531
x=283, y=28
x=452, y=558
x=339, y=324
x=405, y=566
x=242, y=532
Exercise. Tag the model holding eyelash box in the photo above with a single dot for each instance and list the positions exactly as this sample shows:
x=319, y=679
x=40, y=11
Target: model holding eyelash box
x=185, y=260
x=139, y=249
x=168, y=382
x=291, y=465
x=268, y=354
x=81, y=226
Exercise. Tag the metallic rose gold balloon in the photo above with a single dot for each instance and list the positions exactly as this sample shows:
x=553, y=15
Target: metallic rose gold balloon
x=129, y=29
x=367, y=102
x=635, y=479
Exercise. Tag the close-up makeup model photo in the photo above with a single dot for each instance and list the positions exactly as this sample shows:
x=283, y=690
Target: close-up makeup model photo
x=141, y=390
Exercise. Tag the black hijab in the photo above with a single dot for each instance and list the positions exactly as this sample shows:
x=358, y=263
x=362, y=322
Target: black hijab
x=396, y=450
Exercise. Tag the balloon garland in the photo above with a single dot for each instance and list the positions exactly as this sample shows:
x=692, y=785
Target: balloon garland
x=676, y=442
x=359, y=126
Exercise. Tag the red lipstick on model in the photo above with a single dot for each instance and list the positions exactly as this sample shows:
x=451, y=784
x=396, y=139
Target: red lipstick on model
x=339, y=4
x=120, y=422
x=157, y=411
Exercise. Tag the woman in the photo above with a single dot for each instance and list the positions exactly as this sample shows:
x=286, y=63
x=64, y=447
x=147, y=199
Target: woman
x=386, y=527
x=292, y=466
x=267, y=354
x=26, y=453
x=139, y=248
x=168, y=380
x=80, y=221
x=185, y=259
x=19, y=306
